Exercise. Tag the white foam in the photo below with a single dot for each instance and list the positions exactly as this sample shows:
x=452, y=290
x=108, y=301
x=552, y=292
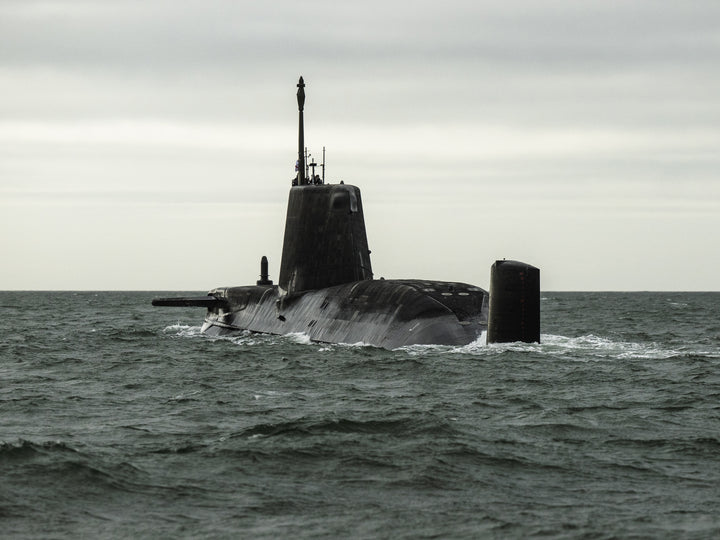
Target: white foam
x=183, y=330
x=479, y=345
x=299, y=337
x=331, y=347
x=595, y=347
x=247, y=338
x=583, y=348
x=357, y=344
x=185, y=396
x=176, y=326
x=414, y=350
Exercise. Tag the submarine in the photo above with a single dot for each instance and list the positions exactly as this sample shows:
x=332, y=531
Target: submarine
x=326, y=288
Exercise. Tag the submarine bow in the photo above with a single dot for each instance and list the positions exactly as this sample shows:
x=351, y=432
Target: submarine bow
x=326, y=287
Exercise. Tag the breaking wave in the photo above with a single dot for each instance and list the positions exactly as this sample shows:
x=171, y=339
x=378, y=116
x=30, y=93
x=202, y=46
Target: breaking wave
x=587, y=347
x=183, y=330
x=595, y=347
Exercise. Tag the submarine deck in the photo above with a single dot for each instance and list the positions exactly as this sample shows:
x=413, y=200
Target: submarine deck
x=384, y=313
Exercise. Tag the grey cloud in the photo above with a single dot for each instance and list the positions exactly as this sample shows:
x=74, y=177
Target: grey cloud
x=578, y=105
x=523, y=62
x=248, y=35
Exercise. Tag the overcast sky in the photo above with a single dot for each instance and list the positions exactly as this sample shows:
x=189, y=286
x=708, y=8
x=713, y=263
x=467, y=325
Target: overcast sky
x=150, y=144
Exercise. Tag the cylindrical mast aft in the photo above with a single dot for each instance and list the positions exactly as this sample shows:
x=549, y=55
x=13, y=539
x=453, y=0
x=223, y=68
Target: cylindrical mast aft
x=514, y=313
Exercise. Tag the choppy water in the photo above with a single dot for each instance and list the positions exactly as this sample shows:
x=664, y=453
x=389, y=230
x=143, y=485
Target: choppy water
x=120, y=419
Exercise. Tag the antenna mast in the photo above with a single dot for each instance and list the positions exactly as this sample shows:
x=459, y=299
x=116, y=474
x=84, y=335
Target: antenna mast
x=301, y=133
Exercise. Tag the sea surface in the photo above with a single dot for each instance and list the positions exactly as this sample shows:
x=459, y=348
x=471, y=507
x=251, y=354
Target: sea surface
x=122, y=420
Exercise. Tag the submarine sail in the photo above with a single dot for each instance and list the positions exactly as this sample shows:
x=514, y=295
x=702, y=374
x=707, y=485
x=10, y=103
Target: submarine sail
x=326, y=287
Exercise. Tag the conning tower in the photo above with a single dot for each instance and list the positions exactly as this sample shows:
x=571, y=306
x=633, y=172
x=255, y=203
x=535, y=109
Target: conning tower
x=325, y=240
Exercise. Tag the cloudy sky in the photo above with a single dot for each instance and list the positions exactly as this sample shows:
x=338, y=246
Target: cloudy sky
x=149, y=144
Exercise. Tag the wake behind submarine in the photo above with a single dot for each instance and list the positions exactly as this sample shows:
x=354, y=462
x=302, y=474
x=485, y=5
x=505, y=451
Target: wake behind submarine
x=326, y=288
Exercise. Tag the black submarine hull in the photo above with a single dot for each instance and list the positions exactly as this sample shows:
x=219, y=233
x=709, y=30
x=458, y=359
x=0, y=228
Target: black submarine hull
x=326, y=287
x=384, y=313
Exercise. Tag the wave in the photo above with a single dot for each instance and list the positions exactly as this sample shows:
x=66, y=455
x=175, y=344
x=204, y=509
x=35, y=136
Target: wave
x=585, y=347
x=298, y=337
x=592, y=346
x=83, y=475
x=476, y=346
x=184, y=397
x=183, y=330
x=305, y=426
x=250, y=339
x=23, y=449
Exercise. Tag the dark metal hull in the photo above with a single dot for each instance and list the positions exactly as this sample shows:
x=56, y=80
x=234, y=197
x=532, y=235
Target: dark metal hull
x=326, y=288
x=383, y=313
